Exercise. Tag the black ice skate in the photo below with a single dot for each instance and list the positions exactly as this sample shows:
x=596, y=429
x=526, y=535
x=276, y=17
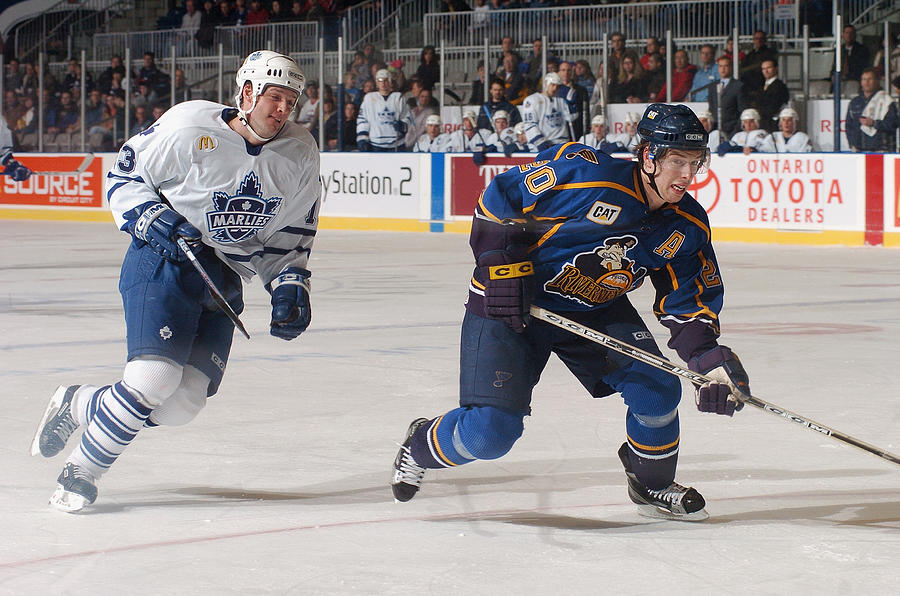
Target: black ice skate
x=76, y=488
x=407, y=473
x=57, y=424
x=673, y=502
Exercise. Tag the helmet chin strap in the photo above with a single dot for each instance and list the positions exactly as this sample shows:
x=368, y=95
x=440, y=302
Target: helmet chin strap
x=244, y=117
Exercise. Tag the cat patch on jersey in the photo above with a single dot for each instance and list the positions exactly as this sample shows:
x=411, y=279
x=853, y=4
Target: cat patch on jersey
x=242, y=214
x=599, y=276
x=603, y=213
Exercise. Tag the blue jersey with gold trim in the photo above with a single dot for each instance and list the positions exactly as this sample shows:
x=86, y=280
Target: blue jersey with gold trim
x=582, y=219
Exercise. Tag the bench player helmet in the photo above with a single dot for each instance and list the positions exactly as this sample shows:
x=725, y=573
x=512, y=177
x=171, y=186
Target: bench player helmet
x=261, y=69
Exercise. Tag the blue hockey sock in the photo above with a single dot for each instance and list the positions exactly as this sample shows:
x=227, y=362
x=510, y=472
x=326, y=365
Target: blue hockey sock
x=116, y=421
x=466, y=434
x=653, y=448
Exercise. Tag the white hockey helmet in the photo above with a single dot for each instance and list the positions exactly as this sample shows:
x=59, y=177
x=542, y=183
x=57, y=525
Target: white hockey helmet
x=500, y=114
x=750, y=114
x=382, y=75
x=261, y=69
x=433, y=119
x=472, y=117
x=519, y=128
x=789, y=113
x=598, y=119
x=551, y=78
x=705, y=114
x=632, y=118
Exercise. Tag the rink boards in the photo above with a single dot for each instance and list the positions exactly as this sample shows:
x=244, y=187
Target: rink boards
x=815, y=198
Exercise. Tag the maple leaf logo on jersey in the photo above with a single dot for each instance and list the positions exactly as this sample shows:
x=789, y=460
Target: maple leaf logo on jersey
x=599, y=276
x=241, y=215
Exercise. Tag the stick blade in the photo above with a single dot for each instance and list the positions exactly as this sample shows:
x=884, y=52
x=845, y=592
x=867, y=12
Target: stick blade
x=85, y=163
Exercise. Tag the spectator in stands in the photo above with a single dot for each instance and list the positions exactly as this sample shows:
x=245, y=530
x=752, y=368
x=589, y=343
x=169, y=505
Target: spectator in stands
x=145, y=96
x=210, y=18
x=893, y=58
x=751, y=139
x=651, y=47
x=72, y=80
x=142, y=120
x=729, y=52
x=240, y=12
x=532, y=66
x=480, y=18
x=656, y=75
x=182, y=89
x=707, y=74
x=507, y=46
x=872, y=118
x=348, y=133
x=63, y=118
x=584, y=78
x=27, y=122
x=94, y=110
x=751, y=64
x=116, y=87
x=13, y=79
x=616, y=54
x=772, y=97
x=30, y=80
x=398, y=77
x=351, y=93
x=368, y=87
x=257, y=14
x=306, y=113
x=514, y=86
x=682, y=79
x=477, y=95
x=330, y=141
x=105, y=80
x=12, y=108
x=730, y=93
x=788, y=139
x=432, y=140
x=854, y=55
x=297, y=12
x=372, y=55
x=149, y=73
x=429, y=71
x=277, y=12
x=360, y=69
x=708, y=121
x=573, y=95
x=227, y=16
x=157, y=112
x=190, y=25
x=503, y=137
x=496, y=102
x=420, y=112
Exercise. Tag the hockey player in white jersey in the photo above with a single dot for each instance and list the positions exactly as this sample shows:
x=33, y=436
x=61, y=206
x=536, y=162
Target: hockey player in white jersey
x=627, y=140
x=504, y=137
x=11, y=167
x=384, y=118
x=787, y=138
x=597, y=135
x=469, y=137
x=751, y=139
x=522, y=145
x=242, y=187
x=433, y=140
x=706, y=119
x=546, y=116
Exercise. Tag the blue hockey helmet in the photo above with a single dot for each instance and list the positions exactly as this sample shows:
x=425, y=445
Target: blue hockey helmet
x=667, y=126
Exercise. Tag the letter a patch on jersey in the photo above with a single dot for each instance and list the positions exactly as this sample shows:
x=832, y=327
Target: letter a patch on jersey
x=241, y=215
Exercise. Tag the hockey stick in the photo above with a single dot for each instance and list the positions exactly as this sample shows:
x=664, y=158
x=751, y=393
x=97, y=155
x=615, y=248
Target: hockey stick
x=699, y=379
x=216, y=294
x=81, y=168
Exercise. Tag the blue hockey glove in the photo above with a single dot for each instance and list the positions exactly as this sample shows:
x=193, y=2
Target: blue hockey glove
x=401, y=128
x=724, y=147
x=479, y=158
x=508, y=288
x=291, y=311
x=544, y=145
x=15, y=170
x=364, y=145
x=509, y=149
x=160, y=227
x=731, y=381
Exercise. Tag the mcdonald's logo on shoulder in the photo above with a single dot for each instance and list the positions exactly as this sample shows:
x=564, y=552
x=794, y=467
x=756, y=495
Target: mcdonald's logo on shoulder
x=206, y=143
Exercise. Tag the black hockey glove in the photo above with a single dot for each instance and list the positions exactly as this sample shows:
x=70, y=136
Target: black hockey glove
x=724, y=396
x=544, y=145
x=509, y=149
x=508, y=288
x=15, y=170
x=364, y=145
x=160, y=227
x=479, y=157
x=291, y=312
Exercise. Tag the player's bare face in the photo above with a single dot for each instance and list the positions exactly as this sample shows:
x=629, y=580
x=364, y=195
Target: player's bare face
x=674, y=174
x=273, y=107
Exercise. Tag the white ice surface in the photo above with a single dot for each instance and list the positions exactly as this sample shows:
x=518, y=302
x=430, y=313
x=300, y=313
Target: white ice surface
x=280, y=486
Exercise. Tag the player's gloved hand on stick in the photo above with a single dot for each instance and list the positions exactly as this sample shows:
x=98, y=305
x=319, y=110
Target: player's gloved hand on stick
x=364, y=145
x=291, y=312
x=508, y=288
x=509, y=149
x=401, y=128
x=15, y=170
x=479, y=157
x=160, y=227
x=544, y=145
x=721, y=396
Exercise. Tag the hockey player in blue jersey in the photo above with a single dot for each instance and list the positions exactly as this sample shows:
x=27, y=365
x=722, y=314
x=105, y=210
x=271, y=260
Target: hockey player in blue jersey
x=573, y=232
x=242, y=185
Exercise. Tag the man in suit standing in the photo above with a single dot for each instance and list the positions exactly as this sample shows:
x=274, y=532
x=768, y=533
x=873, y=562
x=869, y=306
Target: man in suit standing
x=730, y=96
x=773, y=96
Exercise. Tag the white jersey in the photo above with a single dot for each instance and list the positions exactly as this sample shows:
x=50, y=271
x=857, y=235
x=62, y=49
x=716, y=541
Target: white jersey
x=6, y=141
x=255, y=205
x=757, y=139
x=498, y=141
x=460, y=143
x=546, y=119
x=630, y=142
x=796, y=143
x=378, y=119
x=591, y=140
x=714, y=140
x=425, y=144
x=306, y=114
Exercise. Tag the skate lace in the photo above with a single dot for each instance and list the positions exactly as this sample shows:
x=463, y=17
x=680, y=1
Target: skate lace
x=671, y=494
x=65, y=427
x=80, y=474
x=408, y=471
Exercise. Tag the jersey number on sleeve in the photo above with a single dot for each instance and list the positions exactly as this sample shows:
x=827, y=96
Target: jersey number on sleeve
x=126, y=161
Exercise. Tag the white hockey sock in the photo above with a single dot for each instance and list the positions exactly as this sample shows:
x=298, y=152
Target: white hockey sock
x=116, y=421
x=86, y=401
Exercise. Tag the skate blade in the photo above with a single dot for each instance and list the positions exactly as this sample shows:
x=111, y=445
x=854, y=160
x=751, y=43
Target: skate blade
x=69, y=502
x=50, y=412
x=655, y=512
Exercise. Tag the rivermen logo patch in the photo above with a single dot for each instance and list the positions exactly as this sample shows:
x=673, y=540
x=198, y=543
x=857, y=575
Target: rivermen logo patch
x=599, y=276
x=241, y=215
